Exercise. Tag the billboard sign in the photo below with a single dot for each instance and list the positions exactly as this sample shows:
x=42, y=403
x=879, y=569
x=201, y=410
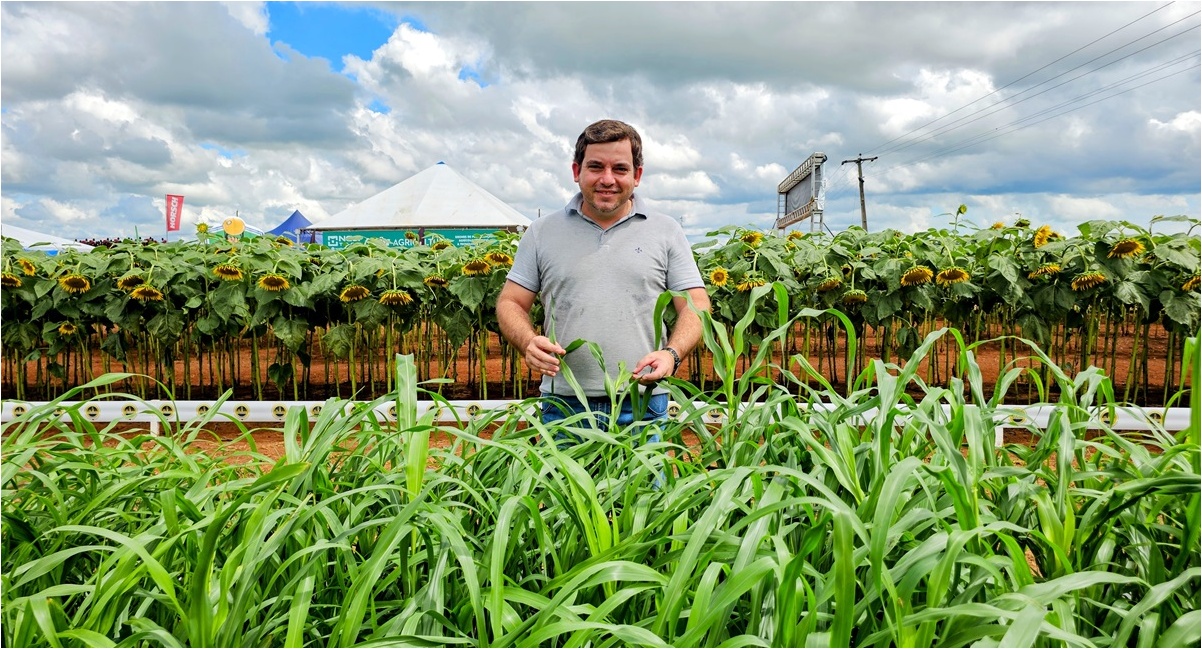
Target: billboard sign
x=339, y=239
x=803, y=192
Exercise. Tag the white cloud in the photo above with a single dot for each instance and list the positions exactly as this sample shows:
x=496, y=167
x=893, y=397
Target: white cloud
x=252, y=15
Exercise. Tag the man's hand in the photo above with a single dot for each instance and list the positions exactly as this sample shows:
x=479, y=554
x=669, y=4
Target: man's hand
x=654, y=366
x=542, y=355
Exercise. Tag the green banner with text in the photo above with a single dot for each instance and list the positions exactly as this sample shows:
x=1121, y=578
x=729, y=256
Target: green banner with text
x=339, y=239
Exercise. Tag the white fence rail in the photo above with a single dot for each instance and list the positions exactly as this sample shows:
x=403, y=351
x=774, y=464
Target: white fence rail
x=154, y=412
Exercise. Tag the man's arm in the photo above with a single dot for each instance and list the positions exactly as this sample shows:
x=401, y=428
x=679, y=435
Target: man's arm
x=513, y=316
x=684, y=337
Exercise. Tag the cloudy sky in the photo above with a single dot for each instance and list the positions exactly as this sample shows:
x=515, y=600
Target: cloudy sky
x=1060, y=112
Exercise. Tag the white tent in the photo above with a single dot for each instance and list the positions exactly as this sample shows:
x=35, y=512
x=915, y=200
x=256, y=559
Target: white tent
x=438, y=197
x=39, y=241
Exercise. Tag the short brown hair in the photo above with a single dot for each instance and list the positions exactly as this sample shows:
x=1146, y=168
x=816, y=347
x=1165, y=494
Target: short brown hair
x=610, y=130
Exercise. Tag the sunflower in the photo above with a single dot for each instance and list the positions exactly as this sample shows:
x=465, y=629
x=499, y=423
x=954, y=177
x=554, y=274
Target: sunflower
x=846, y=268
x=283, y=241
x=74, y=283
x=1086, y=281
x=794, y=235
x=1045, y=270
x=916, y=276
x=435, y=282
x=1126, y=248
x=1042, y=235
x=752, y=239
x=147, y=293
x=273, y=282
x=67, y=329
x=9, y=280
x=749, y=282
x=396, y=297
x=998, y=225
x=202, y=228
x=130, y=282
x=855, y=296
x=476, y=267
x=830, y=284
x=411, y=235
x=441, y=245
x=952, y=275
x=27, y=267
x=353, y=293
x=719, y=276
x=1022, y=223
x=228, y=272
x=500, y=259
x=1192, y=283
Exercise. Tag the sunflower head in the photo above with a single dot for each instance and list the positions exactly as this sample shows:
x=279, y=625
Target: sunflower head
x=749, y=282
x=67, y=329
x=794, y=235
x=1086, y=281
x=273, y=282
x=410, y=235
x=441, y=245
x=1192, y=283
x=353, y=293
x=74, y=283
x=10, y=280
x=1046, y=270
x=998, y=225
x=719, y=276
x=1125, y=249
x=1022, y=223
x=130, y=282
x=27, y=266
x=228, y=272
x=283, y=241
x=845, y=269
x=499, y=259
x=476, y=267
x=916, y=276
x=435, y=281
x=395, y=297
x=855, y=296
x=146, y=293
x=952, y=275
x=1042, y=235
x=829, y=284
x=202, y=228
x=752, y=239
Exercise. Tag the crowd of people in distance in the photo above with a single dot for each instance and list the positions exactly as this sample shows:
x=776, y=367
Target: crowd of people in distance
x=112, y=241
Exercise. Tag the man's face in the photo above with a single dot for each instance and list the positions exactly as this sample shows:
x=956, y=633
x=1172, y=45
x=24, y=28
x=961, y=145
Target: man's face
x=607, y=179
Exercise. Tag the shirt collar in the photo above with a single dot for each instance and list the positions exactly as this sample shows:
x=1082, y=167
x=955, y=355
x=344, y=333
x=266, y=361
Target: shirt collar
x=636, y=207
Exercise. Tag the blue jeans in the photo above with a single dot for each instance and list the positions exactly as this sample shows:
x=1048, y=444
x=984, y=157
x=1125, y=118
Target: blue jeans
x=557, y=407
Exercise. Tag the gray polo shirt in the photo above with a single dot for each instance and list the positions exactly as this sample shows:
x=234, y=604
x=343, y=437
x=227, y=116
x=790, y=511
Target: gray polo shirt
x=602, y=285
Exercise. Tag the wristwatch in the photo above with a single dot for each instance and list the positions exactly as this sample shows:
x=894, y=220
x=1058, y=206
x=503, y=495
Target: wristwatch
x=675, y=358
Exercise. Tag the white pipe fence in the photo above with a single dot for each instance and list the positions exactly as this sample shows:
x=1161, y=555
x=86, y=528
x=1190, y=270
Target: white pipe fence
x=155, y=412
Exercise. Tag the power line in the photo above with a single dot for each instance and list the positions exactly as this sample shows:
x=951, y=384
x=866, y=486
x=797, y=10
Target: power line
x=999, y=106
x=1020, y=78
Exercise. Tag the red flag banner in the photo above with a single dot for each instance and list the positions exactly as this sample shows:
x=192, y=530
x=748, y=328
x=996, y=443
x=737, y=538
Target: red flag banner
x=175, y=207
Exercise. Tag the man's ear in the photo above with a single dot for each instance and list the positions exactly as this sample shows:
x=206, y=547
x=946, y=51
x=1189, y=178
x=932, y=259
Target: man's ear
x=575, y=172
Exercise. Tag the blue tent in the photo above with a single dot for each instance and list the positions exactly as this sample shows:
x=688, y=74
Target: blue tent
x=291, y=226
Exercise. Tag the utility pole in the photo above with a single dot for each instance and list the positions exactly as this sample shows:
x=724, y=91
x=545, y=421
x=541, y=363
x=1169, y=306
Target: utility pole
x=860, y=160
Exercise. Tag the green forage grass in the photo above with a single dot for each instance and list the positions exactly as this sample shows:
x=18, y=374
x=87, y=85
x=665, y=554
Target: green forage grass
x=791, y=525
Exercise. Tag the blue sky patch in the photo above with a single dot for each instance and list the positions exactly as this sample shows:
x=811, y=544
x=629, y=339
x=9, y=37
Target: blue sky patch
x=228, y=153
x=330, y=31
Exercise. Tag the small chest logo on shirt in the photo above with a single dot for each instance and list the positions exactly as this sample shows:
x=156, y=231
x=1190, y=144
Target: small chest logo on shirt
x=639, y=250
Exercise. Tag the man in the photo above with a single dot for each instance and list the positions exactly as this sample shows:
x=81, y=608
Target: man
x=599, y=265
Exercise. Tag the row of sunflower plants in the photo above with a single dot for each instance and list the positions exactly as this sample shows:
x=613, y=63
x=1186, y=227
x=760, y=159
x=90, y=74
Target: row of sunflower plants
x=890, y=519
x=257, y=314
x=253, y=313
x=1078, y=296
